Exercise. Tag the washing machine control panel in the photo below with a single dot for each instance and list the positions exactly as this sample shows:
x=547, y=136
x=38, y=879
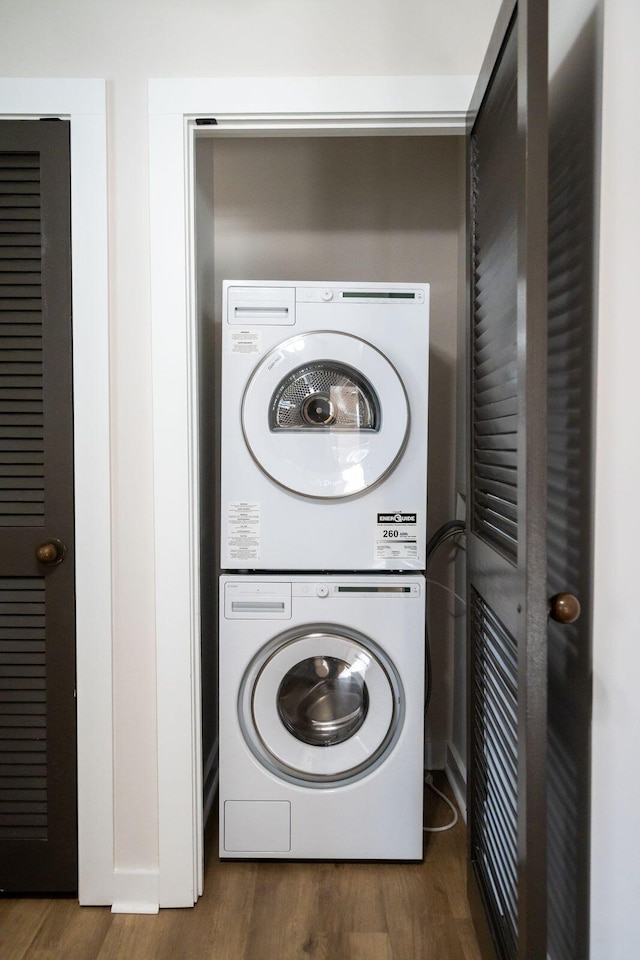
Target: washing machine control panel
x=272, y=600
x=335, y=589
x=261, y=600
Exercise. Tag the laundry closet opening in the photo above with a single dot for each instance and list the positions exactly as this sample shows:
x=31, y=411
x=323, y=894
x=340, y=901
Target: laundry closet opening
x=338, y=208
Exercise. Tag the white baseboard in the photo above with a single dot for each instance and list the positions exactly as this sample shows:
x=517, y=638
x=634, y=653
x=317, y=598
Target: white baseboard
x=456, y=772
x=135, y=891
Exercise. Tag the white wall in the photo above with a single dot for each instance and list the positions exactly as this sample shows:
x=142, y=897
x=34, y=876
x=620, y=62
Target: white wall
x=127, y=43
x=615, y=848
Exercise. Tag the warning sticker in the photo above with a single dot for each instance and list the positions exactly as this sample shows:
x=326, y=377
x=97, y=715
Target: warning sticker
x=243, y=531
x=246, y=341
x=396, y=536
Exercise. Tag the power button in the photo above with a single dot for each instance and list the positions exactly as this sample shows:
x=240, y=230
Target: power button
x=327, y=294
x=322, y=590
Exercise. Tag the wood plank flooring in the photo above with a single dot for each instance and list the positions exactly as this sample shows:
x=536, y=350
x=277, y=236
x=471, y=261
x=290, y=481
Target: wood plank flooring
x=274, y=911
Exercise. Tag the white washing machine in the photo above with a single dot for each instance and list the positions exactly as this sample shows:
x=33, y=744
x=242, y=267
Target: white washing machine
x=324, y=426
x=321, y=716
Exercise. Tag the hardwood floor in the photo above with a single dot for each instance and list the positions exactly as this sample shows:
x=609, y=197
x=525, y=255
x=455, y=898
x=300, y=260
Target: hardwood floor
x=274, y=911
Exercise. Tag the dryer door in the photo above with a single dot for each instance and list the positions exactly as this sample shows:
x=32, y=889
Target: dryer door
x=321, y=707
x=325, y=415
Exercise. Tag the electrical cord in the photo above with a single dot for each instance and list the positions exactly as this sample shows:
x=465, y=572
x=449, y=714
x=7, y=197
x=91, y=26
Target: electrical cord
x=453, y=528
x=449, y=529
x=443, y=586
x=447, y=826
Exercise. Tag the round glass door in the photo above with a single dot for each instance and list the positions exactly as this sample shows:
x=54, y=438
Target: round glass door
x=324, y=394
x=325, y=415
x=319, y=706
x=323, y=701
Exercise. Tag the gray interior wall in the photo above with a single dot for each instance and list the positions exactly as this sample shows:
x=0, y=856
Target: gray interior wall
x=458, y=741
x=208, y=429
x=358, y=208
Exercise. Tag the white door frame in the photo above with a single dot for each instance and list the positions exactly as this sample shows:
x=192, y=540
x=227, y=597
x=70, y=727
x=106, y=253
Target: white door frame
x=83, y=102
x=280, y=106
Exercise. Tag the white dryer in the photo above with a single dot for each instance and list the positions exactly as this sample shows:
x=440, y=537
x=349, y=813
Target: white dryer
x=321, y=716
x=324, y=426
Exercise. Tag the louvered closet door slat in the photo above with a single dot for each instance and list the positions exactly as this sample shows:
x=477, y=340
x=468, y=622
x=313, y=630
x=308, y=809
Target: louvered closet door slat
x=23, y=723
x=496, y=748
x=494, y=338
x=38, y=833
x=21, y=384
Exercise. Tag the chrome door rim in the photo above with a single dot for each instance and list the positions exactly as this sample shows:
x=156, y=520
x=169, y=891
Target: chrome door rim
x=373, y=743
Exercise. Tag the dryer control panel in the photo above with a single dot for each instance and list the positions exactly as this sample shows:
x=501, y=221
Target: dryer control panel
x=332, y=293
x=275, y=306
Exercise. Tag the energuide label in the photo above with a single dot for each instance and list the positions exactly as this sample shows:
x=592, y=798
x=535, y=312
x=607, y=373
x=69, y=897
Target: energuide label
x=396, y=536
x=243, y=530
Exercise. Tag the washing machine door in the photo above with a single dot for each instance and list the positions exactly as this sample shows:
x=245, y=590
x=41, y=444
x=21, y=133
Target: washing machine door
x=325, y=415
x=321, y=706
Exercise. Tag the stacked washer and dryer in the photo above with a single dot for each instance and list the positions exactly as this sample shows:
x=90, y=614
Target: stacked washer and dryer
x=323, y=539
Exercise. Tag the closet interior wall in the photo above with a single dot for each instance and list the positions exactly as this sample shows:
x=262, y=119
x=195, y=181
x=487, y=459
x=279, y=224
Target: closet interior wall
x=337, y=208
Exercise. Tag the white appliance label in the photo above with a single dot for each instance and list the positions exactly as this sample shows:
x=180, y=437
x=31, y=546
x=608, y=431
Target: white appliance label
x=246, y=341
x=396, y=536
x=243, y=530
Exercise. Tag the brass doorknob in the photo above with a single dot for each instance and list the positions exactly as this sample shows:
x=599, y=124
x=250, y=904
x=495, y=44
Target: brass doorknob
x=564, y=608
x=51, y=551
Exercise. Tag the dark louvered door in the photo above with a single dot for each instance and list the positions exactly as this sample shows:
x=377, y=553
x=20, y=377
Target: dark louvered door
x=38, y=846
x=507, y=515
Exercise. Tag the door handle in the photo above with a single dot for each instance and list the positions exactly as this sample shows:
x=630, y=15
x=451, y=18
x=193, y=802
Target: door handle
x=564, y=608
x=51, y=551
